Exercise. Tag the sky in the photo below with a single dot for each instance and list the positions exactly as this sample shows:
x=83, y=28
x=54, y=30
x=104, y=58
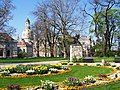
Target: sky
x=23, y=10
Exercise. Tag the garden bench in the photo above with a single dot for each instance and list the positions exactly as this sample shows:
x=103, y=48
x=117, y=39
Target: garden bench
x=117, y=60
x=88, y=60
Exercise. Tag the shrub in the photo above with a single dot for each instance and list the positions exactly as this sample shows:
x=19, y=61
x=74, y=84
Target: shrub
x=110, y=53
x=80, y=59
x=98, y=53
x=21, y=68
x=22, y=54
x=64, y=63
x=85, y=65
x=98, y=65
x=113, y=65
x=75, y=60
x=118, y=68
x=70, y=63
x=77, y=64
x=73, y=82
x=107, y=64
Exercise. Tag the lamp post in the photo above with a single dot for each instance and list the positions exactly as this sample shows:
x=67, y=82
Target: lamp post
x=71, y=53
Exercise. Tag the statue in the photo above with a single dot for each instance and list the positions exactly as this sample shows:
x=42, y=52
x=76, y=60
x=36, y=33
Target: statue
x=76, y=39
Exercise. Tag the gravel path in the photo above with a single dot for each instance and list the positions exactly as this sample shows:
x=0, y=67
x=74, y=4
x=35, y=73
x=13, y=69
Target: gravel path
x=51, y=62
x=46, y=62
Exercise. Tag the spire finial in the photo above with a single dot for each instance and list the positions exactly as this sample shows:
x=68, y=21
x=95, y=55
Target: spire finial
x=18, y=38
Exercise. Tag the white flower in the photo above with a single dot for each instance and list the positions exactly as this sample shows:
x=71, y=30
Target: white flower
x=30, y=71
x=5, y=72
x=53, y=69
x=89, y=79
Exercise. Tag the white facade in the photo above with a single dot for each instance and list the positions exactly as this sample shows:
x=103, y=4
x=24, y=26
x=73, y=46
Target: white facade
x=86, y=44
x=27, y=32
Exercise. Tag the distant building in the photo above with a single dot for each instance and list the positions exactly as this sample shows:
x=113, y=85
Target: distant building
x=25, y=44
x=27, y=34
x=80, y=47
x=8, y=46
x=86, y=44
x=116, y=45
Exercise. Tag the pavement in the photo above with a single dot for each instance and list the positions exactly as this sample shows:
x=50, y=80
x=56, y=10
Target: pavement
x=50, y=62
x=46, y=62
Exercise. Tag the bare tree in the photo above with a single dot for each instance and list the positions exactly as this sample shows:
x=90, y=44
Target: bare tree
x=5, y=15
x=48, y=34
x=60, y=18
x=36, y=32
x=67, y=16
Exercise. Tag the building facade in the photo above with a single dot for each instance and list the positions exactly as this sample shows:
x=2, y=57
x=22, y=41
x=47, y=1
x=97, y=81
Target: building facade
x=8, y=46
x=86, y=45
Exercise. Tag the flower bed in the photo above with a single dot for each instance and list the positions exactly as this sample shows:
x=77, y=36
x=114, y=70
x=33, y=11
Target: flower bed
x=21, y=71
x=68, y=84
x=75, y=83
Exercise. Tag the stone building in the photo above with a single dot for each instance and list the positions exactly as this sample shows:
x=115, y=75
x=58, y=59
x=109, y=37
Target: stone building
x=25, y=44
x=8, y=46
x=86, y=44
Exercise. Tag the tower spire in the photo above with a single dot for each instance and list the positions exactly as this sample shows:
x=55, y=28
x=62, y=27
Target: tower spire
x=27, y=24
x=18, y=38
x=27, y=32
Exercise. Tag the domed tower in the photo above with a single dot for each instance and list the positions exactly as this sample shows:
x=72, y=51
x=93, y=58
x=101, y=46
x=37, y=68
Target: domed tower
x=27, y=32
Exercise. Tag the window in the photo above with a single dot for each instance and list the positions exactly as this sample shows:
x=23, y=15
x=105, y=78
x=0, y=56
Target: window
x=1, y=52
x=23, y=50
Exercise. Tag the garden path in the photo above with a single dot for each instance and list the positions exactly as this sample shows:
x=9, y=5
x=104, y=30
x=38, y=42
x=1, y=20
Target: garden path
x=46, y=62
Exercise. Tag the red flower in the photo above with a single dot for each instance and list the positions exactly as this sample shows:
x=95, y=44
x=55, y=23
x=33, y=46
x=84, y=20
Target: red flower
x=13, y=86
x=16, y=86
x=102, y=75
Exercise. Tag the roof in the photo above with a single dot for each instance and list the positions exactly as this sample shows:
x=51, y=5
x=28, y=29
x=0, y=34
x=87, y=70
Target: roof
x=22, y=43
x=28, y=20
x=5, y=37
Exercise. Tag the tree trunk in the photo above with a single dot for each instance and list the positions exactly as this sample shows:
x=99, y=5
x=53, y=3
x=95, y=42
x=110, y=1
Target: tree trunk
x=105, y=46
x=64, y=48
x=45, y=46
x=51, y=52
x=37, y=48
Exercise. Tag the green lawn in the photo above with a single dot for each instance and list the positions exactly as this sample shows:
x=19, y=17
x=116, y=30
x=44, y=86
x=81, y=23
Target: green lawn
x=108, y=59
x=77, y=71
x=40, y=59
